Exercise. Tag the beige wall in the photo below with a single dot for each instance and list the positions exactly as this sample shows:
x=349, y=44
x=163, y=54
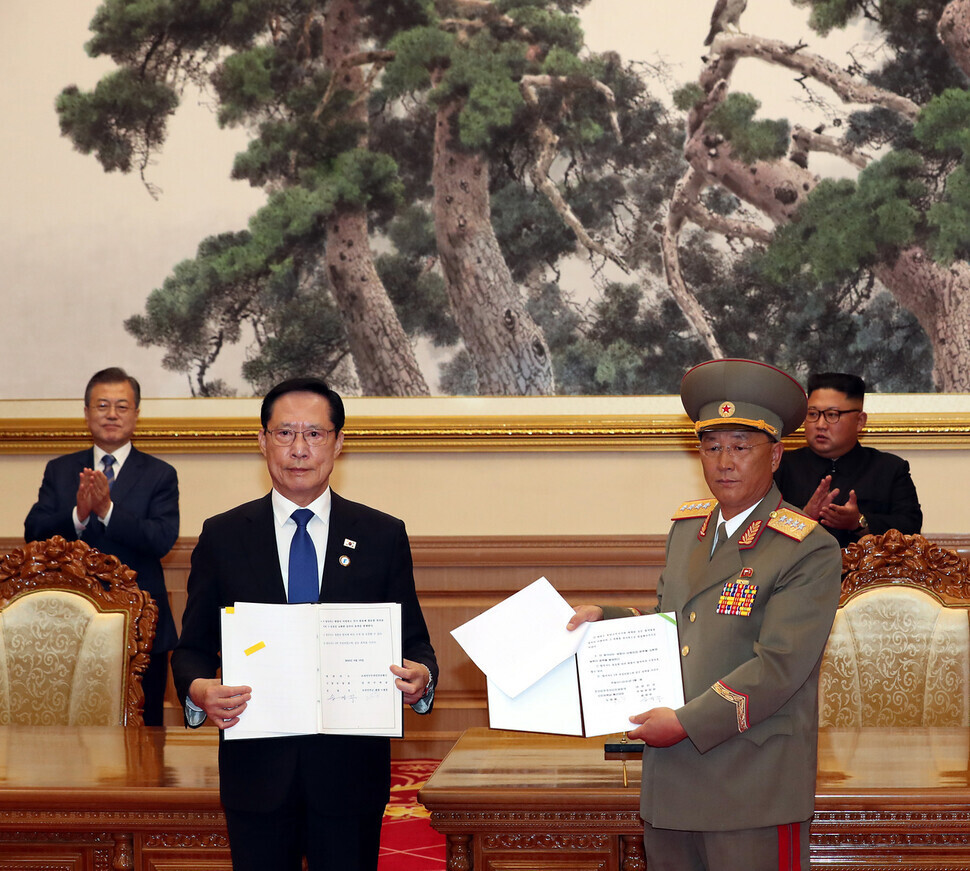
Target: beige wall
x=493, y=492
x=496, y=493
x=586, y=493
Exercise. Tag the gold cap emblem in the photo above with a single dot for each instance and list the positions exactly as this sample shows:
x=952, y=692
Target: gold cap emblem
x=726, y=409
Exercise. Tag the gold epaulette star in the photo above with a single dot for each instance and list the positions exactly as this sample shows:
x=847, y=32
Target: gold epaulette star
x=791, y=523
x=695, y=508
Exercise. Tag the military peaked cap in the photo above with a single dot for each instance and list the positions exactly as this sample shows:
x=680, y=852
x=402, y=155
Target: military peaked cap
x=743, y=394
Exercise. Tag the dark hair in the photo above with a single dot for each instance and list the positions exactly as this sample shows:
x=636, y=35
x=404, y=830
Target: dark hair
x=112, y=375
x=851, y=385
x=304, y=385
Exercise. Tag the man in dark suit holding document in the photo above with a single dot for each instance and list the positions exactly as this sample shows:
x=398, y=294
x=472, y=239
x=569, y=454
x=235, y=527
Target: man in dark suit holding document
x=729, y=778
x=319, y=796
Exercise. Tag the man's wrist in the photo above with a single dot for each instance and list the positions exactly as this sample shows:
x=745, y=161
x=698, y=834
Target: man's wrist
x=79, y=525
x=194, y=715
x=429, y=686
x=863, y=525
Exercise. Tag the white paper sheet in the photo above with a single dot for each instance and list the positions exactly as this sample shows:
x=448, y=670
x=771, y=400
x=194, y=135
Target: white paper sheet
x=263, y=647
x=551, y=704
x=358, y=643
x=522, y=638
x=626, y=667
x=314, y=668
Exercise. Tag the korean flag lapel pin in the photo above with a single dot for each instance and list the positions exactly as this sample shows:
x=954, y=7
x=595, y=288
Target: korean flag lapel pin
x=344, y=560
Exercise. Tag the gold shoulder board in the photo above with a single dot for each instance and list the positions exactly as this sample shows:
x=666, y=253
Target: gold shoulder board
x=697, y=508
x=791, y=523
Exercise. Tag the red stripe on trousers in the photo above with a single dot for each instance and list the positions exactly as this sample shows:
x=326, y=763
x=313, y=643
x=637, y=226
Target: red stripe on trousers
x=789, y=848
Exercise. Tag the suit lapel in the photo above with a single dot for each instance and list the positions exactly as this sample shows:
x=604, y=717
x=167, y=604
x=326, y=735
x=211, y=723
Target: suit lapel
x=338, y=568
x=129, y=475
x=698, y=567
x=84, y=460
x=705, y=571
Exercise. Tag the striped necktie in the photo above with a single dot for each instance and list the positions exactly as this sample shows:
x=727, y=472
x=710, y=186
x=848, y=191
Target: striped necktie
x=108, y=462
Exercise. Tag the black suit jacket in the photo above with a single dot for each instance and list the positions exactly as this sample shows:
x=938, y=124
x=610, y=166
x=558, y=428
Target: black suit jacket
x=236, y=560
x=884, y=488
x=144, y=521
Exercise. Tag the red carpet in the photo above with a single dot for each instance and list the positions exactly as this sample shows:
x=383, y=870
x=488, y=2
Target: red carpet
x=408, y=843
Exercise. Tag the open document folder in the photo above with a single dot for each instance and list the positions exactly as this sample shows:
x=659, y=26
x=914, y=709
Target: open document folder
x=314, y=668
x=543, y=678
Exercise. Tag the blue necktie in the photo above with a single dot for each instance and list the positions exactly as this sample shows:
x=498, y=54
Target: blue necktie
x=108, y=462
x=304, y=580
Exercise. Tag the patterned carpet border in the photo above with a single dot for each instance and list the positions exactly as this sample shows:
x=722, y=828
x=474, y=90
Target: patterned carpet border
x=407, y=777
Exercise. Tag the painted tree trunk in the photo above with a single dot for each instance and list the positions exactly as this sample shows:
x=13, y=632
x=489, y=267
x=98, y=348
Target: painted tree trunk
x=383, y=356
x=508, y=348
x=954, y=31
x=939, y=298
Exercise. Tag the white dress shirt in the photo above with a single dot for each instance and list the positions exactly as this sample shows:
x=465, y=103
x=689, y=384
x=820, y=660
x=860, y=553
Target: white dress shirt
x=734, y=524
x=285, y=525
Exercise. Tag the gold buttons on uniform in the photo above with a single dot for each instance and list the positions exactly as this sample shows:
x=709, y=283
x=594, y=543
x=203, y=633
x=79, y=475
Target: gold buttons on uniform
x=693, y=616
x=685, y=649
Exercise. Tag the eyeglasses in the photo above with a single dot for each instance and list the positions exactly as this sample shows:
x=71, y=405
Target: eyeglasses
x=831, y=415
x=121, y=408
x=313, y=437
x=737, y=452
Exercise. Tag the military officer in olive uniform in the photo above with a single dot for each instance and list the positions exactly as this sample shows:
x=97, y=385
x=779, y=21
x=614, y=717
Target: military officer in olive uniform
x=729, y=778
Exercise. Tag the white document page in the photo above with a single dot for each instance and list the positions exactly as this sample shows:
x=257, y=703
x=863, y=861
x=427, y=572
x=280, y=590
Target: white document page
x=628, y=666
x=358, y=644
x=303, y=660
x=522, y=638
x=272, y=648
x=551, y=704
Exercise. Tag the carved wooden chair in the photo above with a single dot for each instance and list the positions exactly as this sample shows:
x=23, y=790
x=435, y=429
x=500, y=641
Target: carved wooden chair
x=75, y=634
x=899, y=651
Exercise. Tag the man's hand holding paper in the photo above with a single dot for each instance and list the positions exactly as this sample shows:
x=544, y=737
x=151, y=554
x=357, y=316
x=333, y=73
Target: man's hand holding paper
x=412, y=680
x=658, y=727
x=584, y=614
x=222, y=704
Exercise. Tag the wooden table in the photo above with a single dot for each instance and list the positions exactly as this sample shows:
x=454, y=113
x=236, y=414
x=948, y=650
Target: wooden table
x=886, y=798
x=110, y=798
